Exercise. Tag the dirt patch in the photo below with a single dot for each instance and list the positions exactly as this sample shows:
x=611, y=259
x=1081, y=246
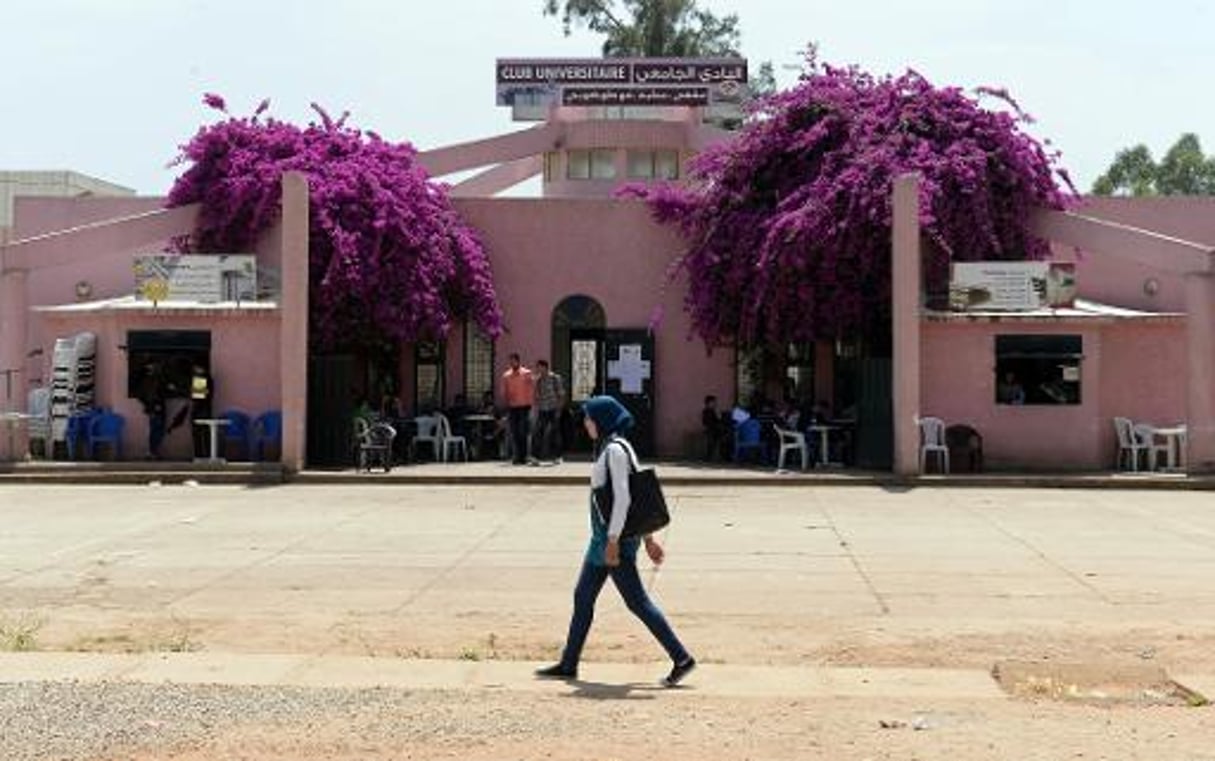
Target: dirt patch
x=1103, y=684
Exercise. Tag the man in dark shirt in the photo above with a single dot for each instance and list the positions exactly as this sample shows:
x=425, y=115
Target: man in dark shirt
x=550, y=399
x=151, y=394
x=715, y=428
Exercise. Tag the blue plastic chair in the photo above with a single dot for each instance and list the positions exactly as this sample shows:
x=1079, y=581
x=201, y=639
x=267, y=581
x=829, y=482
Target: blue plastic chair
x=105, y=428
x=77, y=429
x=268, y=429
x=747, y=436
x=239, y=431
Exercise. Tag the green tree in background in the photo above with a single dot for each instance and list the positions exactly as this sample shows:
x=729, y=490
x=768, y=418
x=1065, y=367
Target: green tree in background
x=1184, y=170
x=659, y=29
x=651, y=28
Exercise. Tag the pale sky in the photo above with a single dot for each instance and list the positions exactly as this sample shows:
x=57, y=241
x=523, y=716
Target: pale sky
x=112, y=87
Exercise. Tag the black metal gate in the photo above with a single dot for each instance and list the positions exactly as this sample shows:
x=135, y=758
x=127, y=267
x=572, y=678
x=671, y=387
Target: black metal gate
x=331, y=410
x=875, y=413
x=628, y=375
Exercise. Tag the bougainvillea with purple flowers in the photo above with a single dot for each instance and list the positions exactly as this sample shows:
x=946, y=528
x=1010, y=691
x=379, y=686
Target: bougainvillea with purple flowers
x=390, y=260
x=789, y=224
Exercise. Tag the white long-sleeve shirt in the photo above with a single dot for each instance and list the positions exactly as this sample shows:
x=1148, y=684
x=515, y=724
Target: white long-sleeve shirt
x=615, y=456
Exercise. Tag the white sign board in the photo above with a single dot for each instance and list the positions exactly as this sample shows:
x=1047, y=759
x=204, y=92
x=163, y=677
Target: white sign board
x=630, y=369
x=204, y=278
x=531, y=86
x=1011, y=286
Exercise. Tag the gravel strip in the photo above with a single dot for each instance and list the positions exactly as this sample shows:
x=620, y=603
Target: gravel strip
x=77, y=721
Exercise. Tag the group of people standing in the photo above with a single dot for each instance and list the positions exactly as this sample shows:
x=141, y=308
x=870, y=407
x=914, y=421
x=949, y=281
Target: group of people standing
x=542, y=392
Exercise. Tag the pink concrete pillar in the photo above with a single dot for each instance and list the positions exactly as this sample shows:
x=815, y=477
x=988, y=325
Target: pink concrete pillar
x=1200, y=399
x=293, y=327
x=14, y=316
x=906, y=317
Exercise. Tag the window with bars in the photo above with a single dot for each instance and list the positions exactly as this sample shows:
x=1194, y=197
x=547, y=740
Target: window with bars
x=478, y=364
x=428, y=375
x=799, y=372
x=748, y=374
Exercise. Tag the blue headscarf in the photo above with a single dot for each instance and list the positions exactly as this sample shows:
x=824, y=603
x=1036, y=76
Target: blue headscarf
x=609, y=415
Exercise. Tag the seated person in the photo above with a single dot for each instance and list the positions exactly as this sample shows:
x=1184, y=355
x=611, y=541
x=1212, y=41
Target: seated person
x=390, y=407
x=455, y=415
x=787, y=415
x=362, y=408
x=1009, y=391
x=492, y=434
x=716, y=429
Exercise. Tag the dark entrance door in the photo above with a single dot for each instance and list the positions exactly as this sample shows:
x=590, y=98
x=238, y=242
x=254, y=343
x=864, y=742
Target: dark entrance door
x=875, y=415
x=331, y=410
x=628, y=374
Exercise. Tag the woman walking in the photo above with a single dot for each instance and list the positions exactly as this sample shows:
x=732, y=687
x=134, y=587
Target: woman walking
x=611, y=555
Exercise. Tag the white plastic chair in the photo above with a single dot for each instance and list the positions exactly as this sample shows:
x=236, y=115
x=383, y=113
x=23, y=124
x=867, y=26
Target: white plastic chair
x=1128, y=442
x=430, y=433
x=447, y=441
x=791, y=441
x=932, y=441
x=38, y=404
x=1145, y=436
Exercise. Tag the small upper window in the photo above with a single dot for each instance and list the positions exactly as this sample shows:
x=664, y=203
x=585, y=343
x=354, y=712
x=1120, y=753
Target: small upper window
x=603, y=164
x=1038, y=369
x=595, y=164
x=666, y=165
x=654, y=165
x=578, y=165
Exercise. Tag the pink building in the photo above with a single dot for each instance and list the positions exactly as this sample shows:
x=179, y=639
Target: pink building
x=580, y=275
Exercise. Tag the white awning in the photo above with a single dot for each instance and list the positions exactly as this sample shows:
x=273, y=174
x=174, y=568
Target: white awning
x=129, y=304
x=1083, y=309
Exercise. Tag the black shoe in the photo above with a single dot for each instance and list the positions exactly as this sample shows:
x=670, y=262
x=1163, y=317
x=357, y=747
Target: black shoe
x=557, y=671
x=678, y=672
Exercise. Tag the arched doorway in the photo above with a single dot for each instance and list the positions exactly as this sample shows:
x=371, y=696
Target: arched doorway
x=578, y=326
x=596, y=360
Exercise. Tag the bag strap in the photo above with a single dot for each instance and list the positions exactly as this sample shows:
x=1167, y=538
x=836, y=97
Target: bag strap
x=634, y=463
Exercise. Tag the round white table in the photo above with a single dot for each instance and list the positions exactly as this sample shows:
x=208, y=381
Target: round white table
x=14, y=420
x=214, y=424
x=824, y=430
x=1174, y=439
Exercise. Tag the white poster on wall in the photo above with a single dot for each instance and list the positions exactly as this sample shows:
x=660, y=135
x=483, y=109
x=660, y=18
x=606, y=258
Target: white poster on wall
x=1011, y=286
x=204, y=278
x=630, y=369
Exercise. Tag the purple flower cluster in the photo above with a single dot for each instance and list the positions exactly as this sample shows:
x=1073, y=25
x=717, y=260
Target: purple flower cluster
x=389, y=257
x=789, y=225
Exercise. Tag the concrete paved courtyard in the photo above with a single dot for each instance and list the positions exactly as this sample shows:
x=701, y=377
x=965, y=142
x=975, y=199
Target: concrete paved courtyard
x=788, y=592
x=860, y=576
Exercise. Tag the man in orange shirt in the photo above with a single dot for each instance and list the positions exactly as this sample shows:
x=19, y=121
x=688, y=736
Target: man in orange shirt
x=519, y=392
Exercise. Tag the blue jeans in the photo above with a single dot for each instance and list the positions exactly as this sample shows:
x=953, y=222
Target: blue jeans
x=156, y=431
x=519, y=425
x=546, y=440
x=628, y=582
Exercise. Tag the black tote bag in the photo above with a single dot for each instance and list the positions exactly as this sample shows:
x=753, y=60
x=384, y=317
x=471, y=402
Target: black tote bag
x=648, y=509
